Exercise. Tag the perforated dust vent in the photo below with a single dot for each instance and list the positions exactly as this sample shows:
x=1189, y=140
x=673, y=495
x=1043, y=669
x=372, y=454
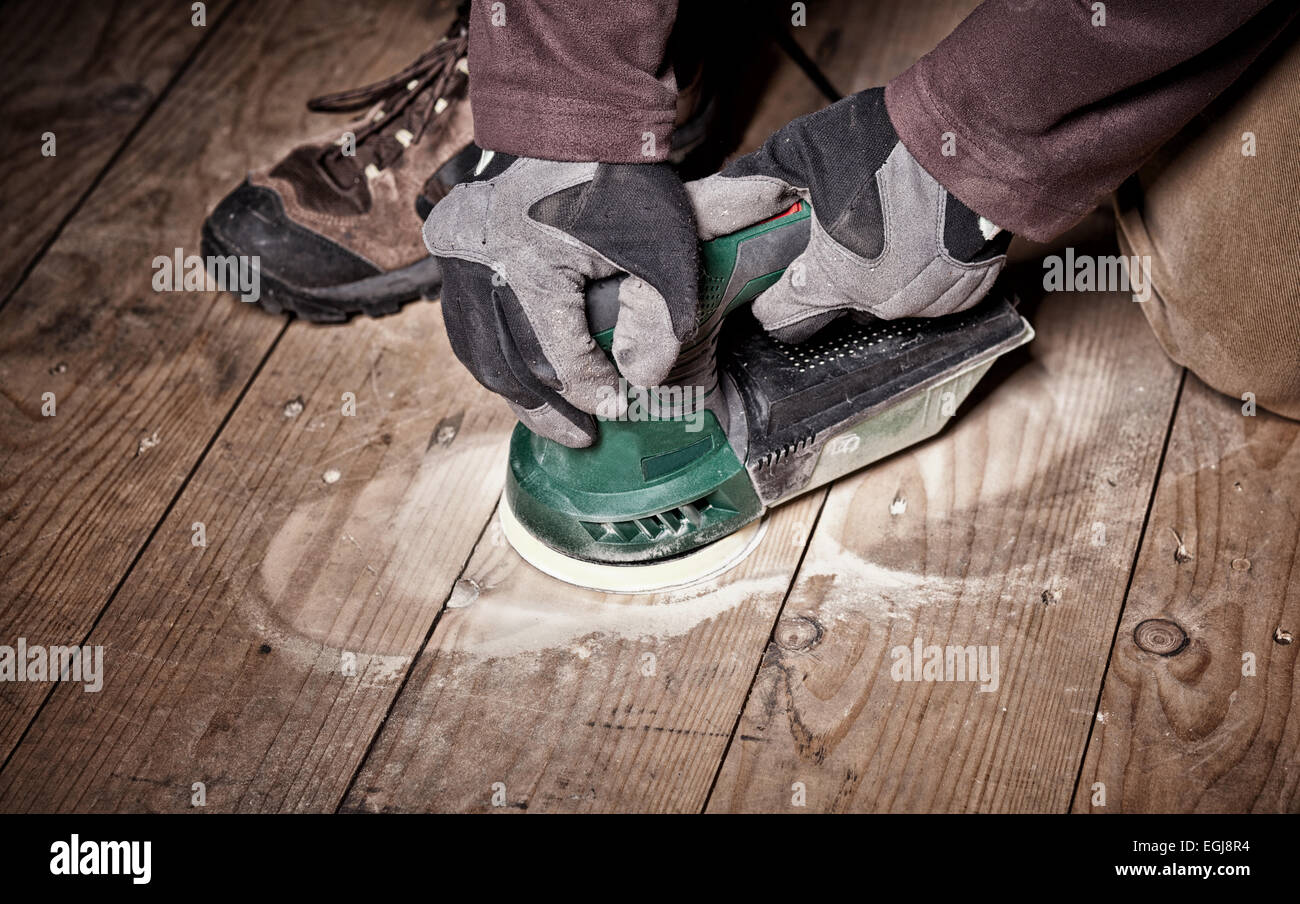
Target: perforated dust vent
x=674, y=522
x=817, y=351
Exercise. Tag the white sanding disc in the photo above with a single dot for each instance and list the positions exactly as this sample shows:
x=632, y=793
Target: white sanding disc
x=701, y=565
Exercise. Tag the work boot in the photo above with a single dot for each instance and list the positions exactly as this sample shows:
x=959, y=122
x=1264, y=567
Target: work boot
x=336, y=223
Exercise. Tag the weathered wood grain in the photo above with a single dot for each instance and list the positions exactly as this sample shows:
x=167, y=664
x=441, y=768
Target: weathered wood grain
x=574, y=700
x=1014, y=530
x=263, y=664
x=88, y=73
x=81, y=491
x=1183, y=728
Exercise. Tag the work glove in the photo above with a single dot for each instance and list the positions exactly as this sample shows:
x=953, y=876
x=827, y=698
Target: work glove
x=886, y=239
x=517, y=245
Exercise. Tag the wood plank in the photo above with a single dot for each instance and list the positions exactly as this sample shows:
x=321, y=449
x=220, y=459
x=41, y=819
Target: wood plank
x=88, y=72
x=1015, y=530
x=331, y=539
x=79, y=491
x=1184, y=730
x=576, y=700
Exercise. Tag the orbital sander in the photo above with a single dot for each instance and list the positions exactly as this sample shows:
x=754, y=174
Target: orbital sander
x=675, y=487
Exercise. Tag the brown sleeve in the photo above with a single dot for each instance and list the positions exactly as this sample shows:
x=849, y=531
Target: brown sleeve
x=1030, y=113
x=578, y=80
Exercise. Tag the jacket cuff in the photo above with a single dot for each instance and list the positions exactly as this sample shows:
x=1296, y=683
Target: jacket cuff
x=570, y=130
x=979, y=173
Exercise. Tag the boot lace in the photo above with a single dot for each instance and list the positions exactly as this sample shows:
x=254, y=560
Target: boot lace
x=407, y=102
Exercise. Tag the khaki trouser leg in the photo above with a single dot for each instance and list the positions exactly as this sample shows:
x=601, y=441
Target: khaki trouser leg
x=1222, y=231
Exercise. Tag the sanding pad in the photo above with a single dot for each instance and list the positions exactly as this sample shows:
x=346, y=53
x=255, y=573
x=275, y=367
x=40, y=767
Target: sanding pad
x=700, y=565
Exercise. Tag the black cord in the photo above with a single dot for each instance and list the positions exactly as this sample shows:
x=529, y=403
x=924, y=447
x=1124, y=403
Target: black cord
x=787, y=43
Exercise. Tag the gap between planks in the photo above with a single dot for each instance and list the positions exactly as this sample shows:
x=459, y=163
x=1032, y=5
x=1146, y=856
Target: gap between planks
x=135, y=361
x=104, y=126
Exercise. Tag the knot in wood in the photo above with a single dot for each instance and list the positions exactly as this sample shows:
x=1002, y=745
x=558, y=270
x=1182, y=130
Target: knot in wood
x=798, y=633
x=1160, y=636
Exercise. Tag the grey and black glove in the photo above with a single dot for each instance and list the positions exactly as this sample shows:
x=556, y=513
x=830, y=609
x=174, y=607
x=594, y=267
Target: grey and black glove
x=887, y=240
x=517, y=245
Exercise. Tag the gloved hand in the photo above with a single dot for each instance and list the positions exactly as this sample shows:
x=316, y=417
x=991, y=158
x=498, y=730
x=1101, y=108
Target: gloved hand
x=887, y=239
x=517, y=245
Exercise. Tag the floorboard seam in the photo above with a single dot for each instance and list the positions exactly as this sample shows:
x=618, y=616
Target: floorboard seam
x=392, y=705
x=771, y=639
x=145, y=117
x=806, y=64
x=139, y=554
x=1128, y=586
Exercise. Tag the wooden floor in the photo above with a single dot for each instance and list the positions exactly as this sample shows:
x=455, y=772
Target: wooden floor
x=372, y=644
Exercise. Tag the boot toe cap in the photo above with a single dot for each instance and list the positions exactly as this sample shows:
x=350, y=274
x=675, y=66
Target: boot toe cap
x=252, y=221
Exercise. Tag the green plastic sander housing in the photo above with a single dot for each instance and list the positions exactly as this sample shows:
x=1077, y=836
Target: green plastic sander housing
x=651, y=488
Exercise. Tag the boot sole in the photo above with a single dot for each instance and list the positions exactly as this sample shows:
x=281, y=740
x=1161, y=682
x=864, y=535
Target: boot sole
x=375, y=296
